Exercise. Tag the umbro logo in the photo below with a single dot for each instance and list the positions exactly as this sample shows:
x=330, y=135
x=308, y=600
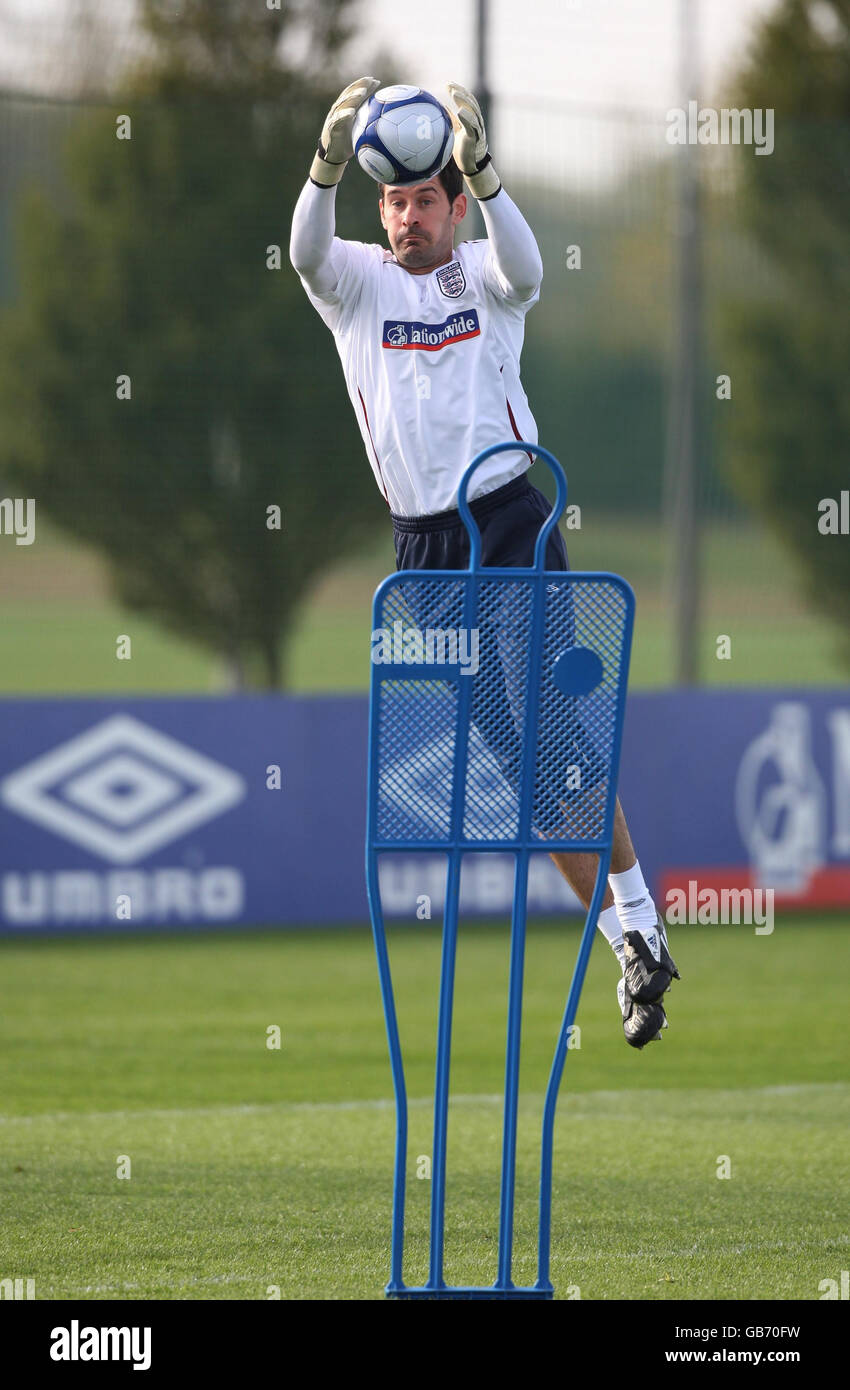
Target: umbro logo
x=121, y=790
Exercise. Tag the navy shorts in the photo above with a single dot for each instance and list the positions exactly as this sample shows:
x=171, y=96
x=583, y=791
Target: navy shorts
x=509, y=521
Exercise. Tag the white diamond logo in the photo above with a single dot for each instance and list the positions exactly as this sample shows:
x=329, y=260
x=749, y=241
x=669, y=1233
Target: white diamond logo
x=122, y=789
x=409, y=785
x=98, y=791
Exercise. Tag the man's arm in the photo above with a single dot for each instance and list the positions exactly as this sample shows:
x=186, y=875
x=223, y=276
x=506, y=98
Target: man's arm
x=516, y=259
x=516, y=262
x=311, y=242
x=311, y=245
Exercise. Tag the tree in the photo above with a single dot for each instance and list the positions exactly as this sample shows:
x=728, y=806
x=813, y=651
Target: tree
x=790, y=423
x=165, y=381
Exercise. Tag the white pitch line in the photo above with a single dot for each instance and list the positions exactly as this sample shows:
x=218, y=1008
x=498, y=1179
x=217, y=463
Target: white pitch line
x=386, y=1103
x=287, y=1107
x=127, y=1285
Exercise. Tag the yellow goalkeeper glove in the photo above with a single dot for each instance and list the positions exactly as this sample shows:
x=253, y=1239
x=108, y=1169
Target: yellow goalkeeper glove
x=336, y=146
x=470, y=148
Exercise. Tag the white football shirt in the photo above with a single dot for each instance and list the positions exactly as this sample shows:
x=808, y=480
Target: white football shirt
x=431, y=364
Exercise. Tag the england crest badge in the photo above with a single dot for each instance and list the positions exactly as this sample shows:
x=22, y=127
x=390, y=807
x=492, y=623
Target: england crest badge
x=451, y=279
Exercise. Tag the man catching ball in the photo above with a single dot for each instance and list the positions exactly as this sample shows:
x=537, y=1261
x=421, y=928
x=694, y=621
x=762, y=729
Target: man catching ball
x=430, y=337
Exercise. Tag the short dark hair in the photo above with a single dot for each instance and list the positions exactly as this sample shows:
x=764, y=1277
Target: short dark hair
x=451, y=179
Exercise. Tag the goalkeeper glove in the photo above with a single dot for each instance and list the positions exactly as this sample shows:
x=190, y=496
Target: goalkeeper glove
x=336, y=147
x=470, y=147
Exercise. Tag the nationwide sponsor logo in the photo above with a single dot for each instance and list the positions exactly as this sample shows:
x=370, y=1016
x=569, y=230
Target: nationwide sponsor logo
x=412, y=335
x=121, y=790
x=451, y=280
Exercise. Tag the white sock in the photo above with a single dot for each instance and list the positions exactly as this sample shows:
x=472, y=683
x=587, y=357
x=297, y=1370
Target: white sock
x=609, y=924
x=633, y=900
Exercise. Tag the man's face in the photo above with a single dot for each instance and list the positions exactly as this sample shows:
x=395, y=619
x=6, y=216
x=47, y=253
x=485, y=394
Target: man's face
x=420, y=223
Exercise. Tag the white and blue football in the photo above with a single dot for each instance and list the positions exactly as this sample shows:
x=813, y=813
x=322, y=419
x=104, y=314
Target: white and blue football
x=402, y=135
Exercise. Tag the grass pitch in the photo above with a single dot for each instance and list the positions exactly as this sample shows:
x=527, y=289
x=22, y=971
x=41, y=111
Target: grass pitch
x=254, y=1169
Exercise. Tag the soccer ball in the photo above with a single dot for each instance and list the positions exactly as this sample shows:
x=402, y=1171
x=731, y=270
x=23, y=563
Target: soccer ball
x=402, y=135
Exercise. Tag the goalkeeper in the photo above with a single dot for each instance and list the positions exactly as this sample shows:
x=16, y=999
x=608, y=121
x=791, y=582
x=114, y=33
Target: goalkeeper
x=430, y=337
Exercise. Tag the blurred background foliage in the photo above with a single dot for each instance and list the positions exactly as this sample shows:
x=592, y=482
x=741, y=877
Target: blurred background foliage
x=788, y=446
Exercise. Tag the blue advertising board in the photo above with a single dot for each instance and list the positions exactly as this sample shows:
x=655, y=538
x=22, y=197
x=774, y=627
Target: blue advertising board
x=126, y=814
